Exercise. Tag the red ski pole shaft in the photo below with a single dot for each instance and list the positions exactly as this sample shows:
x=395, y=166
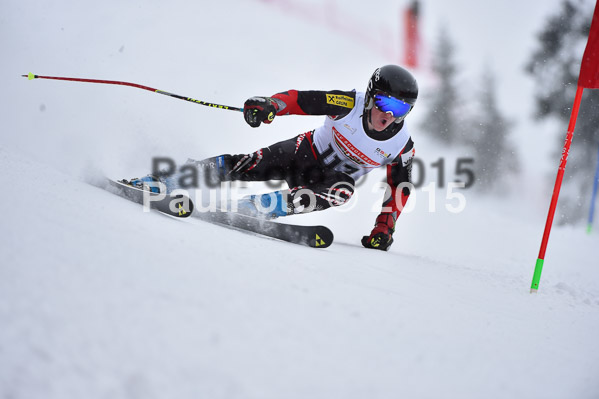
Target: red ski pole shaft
x=31, y=76
x=556, y=189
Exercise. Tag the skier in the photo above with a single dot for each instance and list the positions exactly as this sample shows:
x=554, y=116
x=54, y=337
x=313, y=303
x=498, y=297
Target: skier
x=361, y=132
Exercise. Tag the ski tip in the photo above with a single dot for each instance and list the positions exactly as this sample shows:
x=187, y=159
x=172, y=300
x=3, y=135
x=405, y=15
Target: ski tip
x=29, y=76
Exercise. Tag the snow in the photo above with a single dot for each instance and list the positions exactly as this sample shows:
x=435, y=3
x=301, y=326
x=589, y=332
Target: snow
x=99, y=299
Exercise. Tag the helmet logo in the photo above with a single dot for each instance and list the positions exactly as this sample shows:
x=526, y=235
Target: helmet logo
x=377, y=74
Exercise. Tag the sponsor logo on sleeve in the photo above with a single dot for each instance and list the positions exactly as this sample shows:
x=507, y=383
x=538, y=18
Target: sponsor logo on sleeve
x=340, y=100
x=407, y=157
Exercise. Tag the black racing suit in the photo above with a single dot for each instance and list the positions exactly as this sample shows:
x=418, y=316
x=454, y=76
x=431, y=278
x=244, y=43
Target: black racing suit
x=298, y=162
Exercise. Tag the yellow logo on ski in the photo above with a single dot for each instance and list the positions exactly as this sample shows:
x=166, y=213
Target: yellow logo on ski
x=319, y=241
x=181, y=210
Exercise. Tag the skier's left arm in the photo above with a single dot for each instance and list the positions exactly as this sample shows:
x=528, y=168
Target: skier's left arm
x=396, y=196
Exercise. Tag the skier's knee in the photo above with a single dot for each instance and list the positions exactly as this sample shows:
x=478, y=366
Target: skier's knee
x=305, y=199
x=340, y=193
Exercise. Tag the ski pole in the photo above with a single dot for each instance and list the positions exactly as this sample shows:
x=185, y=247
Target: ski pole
x=31, y=76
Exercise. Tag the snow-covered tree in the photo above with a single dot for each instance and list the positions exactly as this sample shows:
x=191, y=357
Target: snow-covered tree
x=443, y=118
x=555, y=66
x=495, y=157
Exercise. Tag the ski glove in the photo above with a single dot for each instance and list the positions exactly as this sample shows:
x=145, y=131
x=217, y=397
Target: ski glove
x=260, y=109
x=381, y=236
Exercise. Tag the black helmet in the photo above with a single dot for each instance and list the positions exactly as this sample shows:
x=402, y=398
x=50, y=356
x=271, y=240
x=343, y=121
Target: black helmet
x=392, y=80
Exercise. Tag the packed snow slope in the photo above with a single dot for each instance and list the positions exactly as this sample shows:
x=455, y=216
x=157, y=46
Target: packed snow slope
x=99, y=299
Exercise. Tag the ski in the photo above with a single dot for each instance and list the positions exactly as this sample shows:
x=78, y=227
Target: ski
x=314, y=236
x=178, y=206
x=181, y=206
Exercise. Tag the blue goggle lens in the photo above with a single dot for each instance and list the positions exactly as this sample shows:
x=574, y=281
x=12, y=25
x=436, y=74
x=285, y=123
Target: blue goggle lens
x=387, y=103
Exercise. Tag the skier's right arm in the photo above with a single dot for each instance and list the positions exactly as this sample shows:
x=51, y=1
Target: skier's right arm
x=293, y=102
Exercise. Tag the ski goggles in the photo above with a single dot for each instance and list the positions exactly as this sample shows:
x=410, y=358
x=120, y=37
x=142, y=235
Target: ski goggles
x=396, y=107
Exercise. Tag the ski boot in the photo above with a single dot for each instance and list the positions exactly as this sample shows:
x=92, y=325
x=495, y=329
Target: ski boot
x=148, y=183
x=264, y=206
